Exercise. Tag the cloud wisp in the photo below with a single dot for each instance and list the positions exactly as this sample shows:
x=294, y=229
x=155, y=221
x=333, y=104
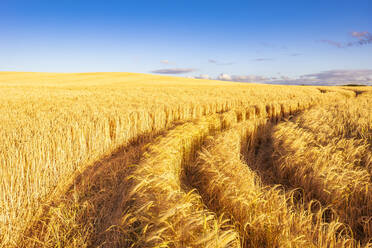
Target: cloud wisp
x=243, y=78
x=212, y=61
x=333, y=43
x=360, y=34
x=174, y=71
x=263, y=59
x=363, y=38
x=203, y=76
x=295, y=54
x=165, y=62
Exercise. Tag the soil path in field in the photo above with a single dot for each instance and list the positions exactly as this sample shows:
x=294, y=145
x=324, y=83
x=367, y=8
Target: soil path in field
x=265, y=161
x=92, y=208
x=93, y=205
x=263, y=156
x=90, y=211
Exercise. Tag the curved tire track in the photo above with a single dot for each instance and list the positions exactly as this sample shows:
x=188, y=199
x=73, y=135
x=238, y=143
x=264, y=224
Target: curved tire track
x=96, y=209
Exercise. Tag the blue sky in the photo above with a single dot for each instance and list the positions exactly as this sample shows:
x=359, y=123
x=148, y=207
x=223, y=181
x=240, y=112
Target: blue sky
x=263, y=41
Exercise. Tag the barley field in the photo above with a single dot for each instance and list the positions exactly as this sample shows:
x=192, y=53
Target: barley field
x=136, y=160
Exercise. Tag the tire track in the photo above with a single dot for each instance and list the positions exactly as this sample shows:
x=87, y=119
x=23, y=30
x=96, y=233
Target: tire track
x=114, y=203
x=161, y=213
x=325, y=175
x=320, y=174
x=264, y=215
x=92, y=204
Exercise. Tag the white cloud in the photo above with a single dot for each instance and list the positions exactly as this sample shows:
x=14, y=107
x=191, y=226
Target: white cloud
x=242, y=78
x=330, y=77
x=203, y=76
x=250, y=78
x=224, y=77
x=174, y=71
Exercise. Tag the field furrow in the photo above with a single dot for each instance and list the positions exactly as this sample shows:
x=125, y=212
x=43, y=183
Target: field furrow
x=324, y=175
x=265, y=216
x=135, y=194
x=87, y=213
x=328, y=160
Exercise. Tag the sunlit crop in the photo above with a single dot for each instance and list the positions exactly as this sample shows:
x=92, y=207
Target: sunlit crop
x=132, y=160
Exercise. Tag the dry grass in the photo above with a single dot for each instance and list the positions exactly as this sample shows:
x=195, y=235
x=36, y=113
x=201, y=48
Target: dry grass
x=108, y=160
